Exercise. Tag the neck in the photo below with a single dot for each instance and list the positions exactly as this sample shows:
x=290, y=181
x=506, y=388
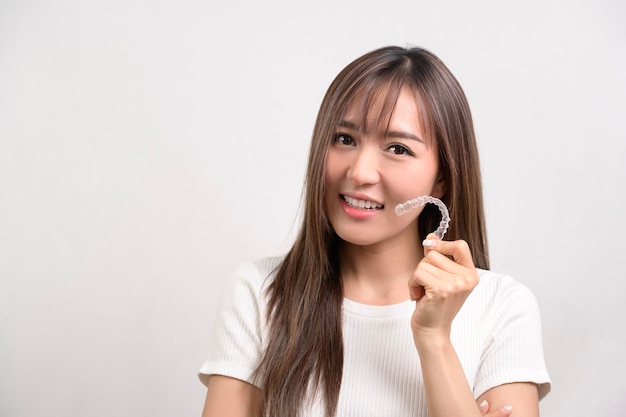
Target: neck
x=378, y=274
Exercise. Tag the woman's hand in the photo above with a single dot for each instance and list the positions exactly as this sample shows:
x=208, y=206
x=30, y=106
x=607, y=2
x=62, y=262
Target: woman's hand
x=500, y=412
x=440, y=284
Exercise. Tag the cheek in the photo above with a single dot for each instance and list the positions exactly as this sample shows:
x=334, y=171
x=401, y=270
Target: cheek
x=330, y=186
x=328, y=178
x=407, y=187
x=332, y=171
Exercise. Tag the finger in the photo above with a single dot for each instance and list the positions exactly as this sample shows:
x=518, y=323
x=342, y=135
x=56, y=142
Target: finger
x=419, y=282
x=458, y=249
x=440, y=267
x=505, y=411
x=416, y=293
x=500, y=412
x=449, y=291
x=484, y=407
x=445, y=263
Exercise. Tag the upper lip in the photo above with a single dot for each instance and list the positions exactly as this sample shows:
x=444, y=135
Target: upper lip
x=362, y=197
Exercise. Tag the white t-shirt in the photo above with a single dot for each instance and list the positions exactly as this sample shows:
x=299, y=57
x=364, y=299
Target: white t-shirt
x=496, y=334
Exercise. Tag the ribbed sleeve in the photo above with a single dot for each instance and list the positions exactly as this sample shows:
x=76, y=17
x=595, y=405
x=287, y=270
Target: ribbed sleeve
x=513, y=349
x=237, y=342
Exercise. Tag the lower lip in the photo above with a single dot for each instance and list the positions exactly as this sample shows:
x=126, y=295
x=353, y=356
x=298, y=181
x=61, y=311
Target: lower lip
x=358, y=213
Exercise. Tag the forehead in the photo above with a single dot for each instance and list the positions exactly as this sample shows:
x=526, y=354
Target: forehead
x=382, y=109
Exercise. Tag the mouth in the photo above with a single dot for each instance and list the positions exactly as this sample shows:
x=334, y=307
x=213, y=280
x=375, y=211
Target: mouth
x=362, y=204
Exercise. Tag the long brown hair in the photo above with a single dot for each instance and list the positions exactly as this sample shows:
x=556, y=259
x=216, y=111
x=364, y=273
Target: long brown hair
x=304, y=352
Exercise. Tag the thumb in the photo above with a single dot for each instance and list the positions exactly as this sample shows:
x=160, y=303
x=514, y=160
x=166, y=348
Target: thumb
x=430, y=243
x=458, y=250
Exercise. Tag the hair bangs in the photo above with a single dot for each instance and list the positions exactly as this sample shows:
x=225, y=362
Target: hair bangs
x=378, y=95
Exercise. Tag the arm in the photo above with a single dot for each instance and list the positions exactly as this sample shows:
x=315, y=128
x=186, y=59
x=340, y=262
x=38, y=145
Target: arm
x=230, y=397
x=521, y=399
x=440, y=285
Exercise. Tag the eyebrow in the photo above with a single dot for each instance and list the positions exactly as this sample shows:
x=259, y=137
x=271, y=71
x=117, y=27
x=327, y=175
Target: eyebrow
x=401, y=134
x=347, y=124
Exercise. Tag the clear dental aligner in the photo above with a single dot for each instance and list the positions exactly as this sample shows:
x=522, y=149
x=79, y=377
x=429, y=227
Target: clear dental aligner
x=409, y=205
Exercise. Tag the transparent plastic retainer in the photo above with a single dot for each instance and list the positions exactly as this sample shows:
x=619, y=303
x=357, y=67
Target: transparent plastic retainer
x=422, y=201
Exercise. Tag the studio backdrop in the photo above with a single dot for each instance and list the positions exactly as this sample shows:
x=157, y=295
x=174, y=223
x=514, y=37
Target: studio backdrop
x=147, y=148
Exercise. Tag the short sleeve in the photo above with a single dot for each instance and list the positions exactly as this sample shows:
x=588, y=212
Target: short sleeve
x=514, y=349
x=236, y=345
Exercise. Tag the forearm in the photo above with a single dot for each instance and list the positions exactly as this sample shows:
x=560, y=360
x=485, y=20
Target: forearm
x=447, y=391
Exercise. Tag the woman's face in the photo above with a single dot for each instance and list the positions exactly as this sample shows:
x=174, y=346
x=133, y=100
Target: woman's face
x=368, y=174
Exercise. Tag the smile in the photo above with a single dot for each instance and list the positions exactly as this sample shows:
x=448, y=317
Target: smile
x=362, y=204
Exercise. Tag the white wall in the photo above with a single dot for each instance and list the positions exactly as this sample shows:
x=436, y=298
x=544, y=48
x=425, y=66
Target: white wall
x=148, y=147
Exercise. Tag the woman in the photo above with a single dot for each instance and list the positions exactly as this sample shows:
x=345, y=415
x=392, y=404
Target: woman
x=368, y=314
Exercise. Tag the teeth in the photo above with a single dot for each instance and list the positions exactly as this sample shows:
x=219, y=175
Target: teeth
x=362, y=203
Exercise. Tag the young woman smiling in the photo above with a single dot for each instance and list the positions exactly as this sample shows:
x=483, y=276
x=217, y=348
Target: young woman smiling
x=368, y=314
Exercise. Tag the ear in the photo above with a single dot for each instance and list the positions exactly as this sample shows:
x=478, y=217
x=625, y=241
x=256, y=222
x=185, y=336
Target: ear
x=440, y=187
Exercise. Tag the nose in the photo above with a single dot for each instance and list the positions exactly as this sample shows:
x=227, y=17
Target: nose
x=364, y=168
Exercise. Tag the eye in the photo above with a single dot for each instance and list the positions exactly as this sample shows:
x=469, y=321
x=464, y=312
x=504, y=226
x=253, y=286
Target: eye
x=397, y=149
x=343, y=139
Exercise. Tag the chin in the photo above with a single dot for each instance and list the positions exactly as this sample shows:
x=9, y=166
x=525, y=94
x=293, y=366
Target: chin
x=358, y=239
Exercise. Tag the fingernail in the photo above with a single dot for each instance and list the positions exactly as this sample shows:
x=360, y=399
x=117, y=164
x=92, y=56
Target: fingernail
x=506, y=408
x=428, y=243
x=483, y=404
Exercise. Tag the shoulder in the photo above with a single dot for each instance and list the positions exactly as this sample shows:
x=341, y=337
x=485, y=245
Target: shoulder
x=506, y=306
x=259, y=268
x=255, y=275
x=245, y=293
x=498, y=298
x=502, y=288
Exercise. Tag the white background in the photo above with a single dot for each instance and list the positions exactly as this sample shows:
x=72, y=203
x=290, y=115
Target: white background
x=148, y=147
